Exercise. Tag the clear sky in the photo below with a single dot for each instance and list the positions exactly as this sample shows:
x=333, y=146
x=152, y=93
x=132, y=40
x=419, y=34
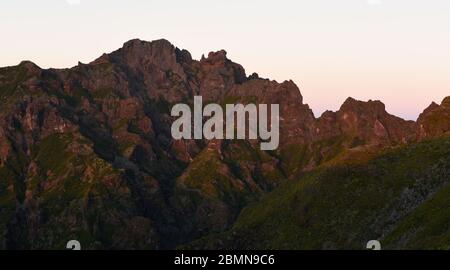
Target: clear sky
x=397, y=51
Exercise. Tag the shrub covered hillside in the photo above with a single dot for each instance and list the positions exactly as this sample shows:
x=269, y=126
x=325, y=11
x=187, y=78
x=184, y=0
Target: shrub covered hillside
x=400, y=196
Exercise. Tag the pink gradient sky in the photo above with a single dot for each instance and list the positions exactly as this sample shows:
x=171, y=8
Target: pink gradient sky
x=397, y=51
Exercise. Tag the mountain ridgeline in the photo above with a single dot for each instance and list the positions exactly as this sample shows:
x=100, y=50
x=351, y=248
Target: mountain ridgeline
x=86, y=153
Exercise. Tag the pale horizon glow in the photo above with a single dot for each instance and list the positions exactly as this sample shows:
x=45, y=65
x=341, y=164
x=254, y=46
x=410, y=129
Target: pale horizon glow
x=396, y=51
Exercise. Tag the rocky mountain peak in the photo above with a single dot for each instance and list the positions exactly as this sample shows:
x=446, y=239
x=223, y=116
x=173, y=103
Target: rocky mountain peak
x=145, y=57
x=217, y=57
x=446, y=102
x=370, y=123
x=141, y=47
x=370, y=106
x=435, y=120
x=30, y=66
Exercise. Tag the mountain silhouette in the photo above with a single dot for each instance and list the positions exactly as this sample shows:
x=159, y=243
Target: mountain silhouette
x=86, y=153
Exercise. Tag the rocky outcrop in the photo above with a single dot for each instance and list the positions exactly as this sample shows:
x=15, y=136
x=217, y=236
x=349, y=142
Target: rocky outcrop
x=435, y=120
x=367, y=123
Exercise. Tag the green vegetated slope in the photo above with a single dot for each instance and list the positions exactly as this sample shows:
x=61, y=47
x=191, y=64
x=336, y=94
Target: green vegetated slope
x=218, y=184
x=399, y=196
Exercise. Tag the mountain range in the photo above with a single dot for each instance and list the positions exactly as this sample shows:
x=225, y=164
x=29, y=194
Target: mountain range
x=86, y=153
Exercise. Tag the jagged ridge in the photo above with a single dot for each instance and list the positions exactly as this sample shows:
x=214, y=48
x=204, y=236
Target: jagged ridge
x=87, y=153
